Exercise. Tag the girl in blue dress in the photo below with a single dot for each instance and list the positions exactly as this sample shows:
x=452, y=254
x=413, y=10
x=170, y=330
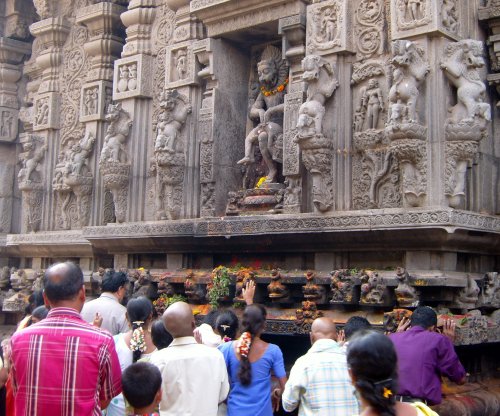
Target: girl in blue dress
x=249, y=362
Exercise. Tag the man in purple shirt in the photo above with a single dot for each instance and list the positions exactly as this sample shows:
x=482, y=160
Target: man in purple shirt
x=423, y=357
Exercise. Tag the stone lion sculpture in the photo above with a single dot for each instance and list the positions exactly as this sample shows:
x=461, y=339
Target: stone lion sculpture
x=409, y=71
x=460, y=65
x=318, y=76
x=116, y=134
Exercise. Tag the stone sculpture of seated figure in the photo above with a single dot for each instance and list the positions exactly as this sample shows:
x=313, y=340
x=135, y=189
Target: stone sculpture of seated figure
x=268, y=110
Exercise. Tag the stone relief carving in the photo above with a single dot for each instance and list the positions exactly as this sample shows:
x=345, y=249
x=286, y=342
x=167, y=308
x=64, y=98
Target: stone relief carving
x=113, y=161
x=412, y=13
x=181, y=64
x=317, y=150
x=42, y=111
x=373, y=288
x=91, y=96
x=7, y=126
x=31, y=181
x=403, y=127
x=305, y=316
x=369, y=32
x=469, y=117
x=267, y=110
x=449, y=15
x=342, y=287
x=169, y=158
x=73, y=182
x=468, y=297
x=406, y=295
x=276, y=289
x=490, y=292
x=312, y=291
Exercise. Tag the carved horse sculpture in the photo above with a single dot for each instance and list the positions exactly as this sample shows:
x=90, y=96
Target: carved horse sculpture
x=116, y=135
x=462, y=59
x=318, y=75
x=410, y=70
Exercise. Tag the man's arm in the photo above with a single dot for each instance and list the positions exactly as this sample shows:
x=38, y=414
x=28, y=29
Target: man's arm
x=110, y=383
x=449, y=364
x=293, y=388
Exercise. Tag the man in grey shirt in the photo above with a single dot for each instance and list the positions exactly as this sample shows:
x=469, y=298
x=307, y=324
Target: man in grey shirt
x=108, y=306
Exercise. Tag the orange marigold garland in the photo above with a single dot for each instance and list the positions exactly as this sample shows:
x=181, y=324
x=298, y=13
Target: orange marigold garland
x=279, y=88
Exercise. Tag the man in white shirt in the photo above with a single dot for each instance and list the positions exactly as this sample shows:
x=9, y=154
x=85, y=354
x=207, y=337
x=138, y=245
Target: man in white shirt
x=319, y=381
x=114, y=288
x=194, y=376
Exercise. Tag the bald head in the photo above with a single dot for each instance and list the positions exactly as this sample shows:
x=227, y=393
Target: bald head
x=63, y=282
x=178, y=320
x=323, y=328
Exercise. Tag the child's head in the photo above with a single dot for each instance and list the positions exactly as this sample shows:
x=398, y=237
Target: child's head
x=141, y=384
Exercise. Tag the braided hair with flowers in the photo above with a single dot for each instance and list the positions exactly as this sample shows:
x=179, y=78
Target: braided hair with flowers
x=253, y=322
x=139, y=313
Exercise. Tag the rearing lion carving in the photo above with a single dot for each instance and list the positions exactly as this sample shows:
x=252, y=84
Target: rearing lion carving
x=318, y=75
x=409, y=71
x=460, y=65
x=116, y=135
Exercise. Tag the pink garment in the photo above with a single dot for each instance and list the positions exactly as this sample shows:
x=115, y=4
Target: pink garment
x=63, y=366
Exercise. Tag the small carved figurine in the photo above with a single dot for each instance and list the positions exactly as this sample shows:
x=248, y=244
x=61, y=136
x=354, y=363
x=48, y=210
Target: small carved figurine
x=311, y=290
x=242, y=278
x=392, y=319
x=117, y=133
x=406, y=295
x=373, y=288
x=468, y=296
x=277, y=290
x=342, y=286
x=305, y=316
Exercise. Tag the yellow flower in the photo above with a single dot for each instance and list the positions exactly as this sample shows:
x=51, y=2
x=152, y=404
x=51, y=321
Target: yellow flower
x=260, y=182
x=387, y=393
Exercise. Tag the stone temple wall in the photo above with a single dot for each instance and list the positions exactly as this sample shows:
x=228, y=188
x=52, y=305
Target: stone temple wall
x=337, y=137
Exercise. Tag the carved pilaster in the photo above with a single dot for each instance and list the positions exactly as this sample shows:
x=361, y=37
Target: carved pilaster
x=104, y=44
x=12, y=53
x=138, y=20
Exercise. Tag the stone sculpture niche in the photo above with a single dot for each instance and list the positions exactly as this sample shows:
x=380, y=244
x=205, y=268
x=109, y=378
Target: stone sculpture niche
x=30, y=181
x=469, y=117
x=403, y=126
x=267, y=111
x=317, y=150
x=73, y=179
x=113, y=161
x=406, y=295
x=169, y=158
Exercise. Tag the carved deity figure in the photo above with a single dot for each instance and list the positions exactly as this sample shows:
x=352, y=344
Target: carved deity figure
x=276, y=289
x=181, y=64
x=318, y=77
x=268, y=110
x=328, y=25
x=342, y=285
x=116, y=135
x=174, y=115
x=42, y=115
x=30, y=159
x=373, y=289
x=406, y=295
x=7, y=124
x=460, y=65
x=414, y=9
x=122, y=85
x=409, y=71
x=469, y=295
x=449, y=16
x=372, y=102
x=79, y=153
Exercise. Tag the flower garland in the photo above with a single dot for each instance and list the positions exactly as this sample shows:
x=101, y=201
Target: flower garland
x=279, y=88
x=218, y=288
x=138, y=343
x=244, y=344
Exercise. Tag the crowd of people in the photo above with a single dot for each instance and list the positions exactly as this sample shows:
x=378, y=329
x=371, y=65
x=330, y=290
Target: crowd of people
x=72, y=357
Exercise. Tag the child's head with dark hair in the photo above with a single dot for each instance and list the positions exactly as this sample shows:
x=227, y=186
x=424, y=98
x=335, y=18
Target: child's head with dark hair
x=141, y=385
x=373, y=363
x=211, y=317
x=38, y=314
x=227, y=325
x=355, y=324
x=160, y=336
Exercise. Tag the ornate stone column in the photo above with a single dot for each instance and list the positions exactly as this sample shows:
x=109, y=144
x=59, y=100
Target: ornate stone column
x=293, y=30
x=104, y=46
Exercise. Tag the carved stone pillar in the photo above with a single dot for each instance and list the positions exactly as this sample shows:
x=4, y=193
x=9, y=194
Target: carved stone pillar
x=104, y=46
x=293, y=30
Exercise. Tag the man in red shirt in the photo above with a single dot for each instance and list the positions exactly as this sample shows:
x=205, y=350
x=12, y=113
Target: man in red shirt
x=63, y=365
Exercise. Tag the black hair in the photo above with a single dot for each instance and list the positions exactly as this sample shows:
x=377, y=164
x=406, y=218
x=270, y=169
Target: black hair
x=373, y=362
x=35, y=300
x=160, y=336
x=112, y=281
x=355, y=324
x=211, y=317
x=40, y=312
x=423, y=316
x=227, y=324
x=139, y=311
x=65, y=285
x=140, y=384
x=254, y=319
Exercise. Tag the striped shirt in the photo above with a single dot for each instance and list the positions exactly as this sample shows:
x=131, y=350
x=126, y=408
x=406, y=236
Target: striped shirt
x=320, y=383
x=63, y=366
